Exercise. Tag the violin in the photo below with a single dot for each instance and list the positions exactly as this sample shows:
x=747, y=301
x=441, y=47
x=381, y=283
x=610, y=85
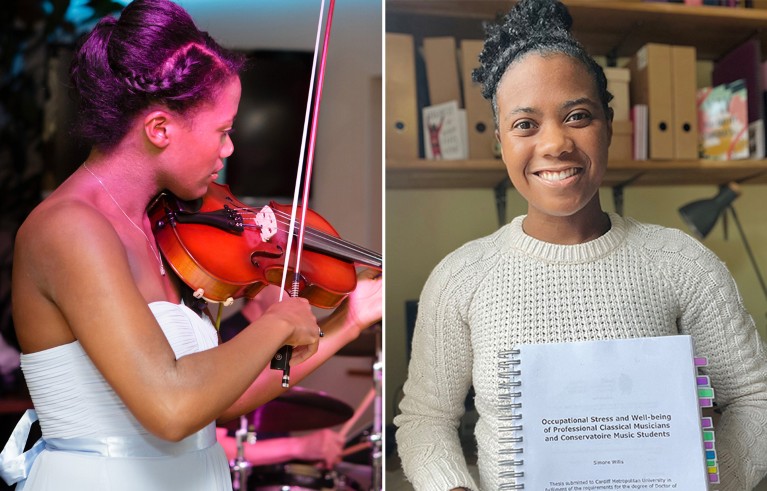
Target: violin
x=224, y=250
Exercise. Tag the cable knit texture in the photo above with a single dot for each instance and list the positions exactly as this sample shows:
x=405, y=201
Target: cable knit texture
x=506, y=289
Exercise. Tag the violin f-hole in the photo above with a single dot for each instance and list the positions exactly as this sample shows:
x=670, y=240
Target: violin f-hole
x=276, y=253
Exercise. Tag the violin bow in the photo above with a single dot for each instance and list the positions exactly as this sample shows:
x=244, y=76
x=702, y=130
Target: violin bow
x=281, y=360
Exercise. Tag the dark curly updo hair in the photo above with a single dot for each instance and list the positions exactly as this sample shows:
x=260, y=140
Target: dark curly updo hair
x=152, y=54
x=532, y=26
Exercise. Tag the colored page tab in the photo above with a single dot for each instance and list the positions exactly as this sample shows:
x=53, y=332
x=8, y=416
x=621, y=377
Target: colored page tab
x=706, y=393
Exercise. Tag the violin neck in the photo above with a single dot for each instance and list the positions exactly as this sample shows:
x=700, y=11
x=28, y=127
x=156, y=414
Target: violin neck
x=318, y=241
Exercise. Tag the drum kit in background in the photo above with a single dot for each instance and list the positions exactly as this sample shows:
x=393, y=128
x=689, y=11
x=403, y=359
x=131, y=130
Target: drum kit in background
x=299, y=409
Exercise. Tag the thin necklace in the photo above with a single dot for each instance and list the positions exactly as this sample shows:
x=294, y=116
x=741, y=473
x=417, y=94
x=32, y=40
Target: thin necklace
x=159, y=261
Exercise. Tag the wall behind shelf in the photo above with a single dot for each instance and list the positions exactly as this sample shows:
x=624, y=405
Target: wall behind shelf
x=422, y=226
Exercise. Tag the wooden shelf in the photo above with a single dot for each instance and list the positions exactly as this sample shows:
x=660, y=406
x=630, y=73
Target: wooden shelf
x=418, y=173
x=687, y=172
x=615, y=28
x=605, y=27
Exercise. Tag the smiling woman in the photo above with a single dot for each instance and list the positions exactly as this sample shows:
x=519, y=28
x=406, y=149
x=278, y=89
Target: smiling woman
x=554, y=133
x=566, y=271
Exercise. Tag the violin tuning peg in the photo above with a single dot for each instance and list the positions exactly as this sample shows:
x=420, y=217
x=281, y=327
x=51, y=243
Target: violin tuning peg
x=198, y=293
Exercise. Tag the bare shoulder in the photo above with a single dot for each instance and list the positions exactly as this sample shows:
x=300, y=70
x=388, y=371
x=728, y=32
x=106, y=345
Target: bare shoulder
x=63, y=227
x=59, y=248
x=67, y=246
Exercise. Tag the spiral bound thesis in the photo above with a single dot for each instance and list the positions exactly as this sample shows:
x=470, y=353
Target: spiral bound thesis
x=510, y=427
x=600, y=403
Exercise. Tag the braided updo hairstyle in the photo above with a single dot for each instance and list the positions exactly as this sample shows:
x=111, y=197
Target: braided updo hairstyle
x=532, y=26
x=152, y=54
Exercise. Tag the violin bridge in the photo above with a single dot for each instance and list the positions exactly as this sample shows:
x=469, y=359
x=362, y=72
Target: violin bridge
x=266, y=223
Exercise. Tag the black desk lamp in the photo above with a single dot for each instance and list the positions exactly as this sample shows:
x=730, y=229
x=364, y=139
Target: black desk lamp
x=701, y=216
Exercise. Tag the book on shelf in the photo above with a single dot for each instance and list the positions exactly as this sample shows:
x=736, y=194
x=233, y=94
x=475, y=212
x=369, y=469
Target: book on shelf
x=743, y=62
x=685, y=117
x=624, y=413
x=444, y=132
x=618, y=85
x=723, y=121
x=401, y=111
x=756, y=137
x=639, y=125
x=651, y=84
x=441, y=63
x=480, y=124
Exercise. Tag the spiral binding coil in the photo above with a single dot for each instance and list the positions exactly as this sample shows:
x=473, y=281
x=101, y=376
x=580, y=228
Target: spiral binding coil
x=510, y=421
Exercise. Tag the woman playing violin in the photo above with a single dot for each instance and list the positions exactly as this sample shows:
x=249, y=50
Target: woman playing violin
x=126, y=380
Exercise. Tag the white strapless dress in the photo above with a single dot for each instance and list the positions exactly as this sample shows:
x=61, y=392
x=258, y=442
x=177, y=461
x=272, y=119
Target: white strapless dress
x=91, y=441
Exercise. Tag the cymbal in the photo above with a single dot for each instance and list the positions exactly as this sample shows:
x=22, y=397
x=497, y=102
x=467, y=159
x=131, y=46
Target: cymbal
x=297, y=409
x=364, y=345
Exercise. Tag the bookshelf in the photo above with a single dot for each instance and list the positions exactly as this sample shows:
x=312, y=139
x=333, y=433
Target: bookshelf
x=610, y=28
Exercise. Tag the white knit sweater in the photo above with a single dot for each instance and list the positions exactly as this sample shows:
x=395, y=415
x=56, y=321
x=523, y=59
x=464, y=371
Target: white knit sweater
x=508, y=288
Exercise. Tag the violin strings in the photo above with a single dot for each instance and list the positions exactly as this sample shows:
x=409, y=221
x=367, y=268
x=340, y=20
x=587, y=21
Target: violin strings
x=331, y=240
x=318, y=234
